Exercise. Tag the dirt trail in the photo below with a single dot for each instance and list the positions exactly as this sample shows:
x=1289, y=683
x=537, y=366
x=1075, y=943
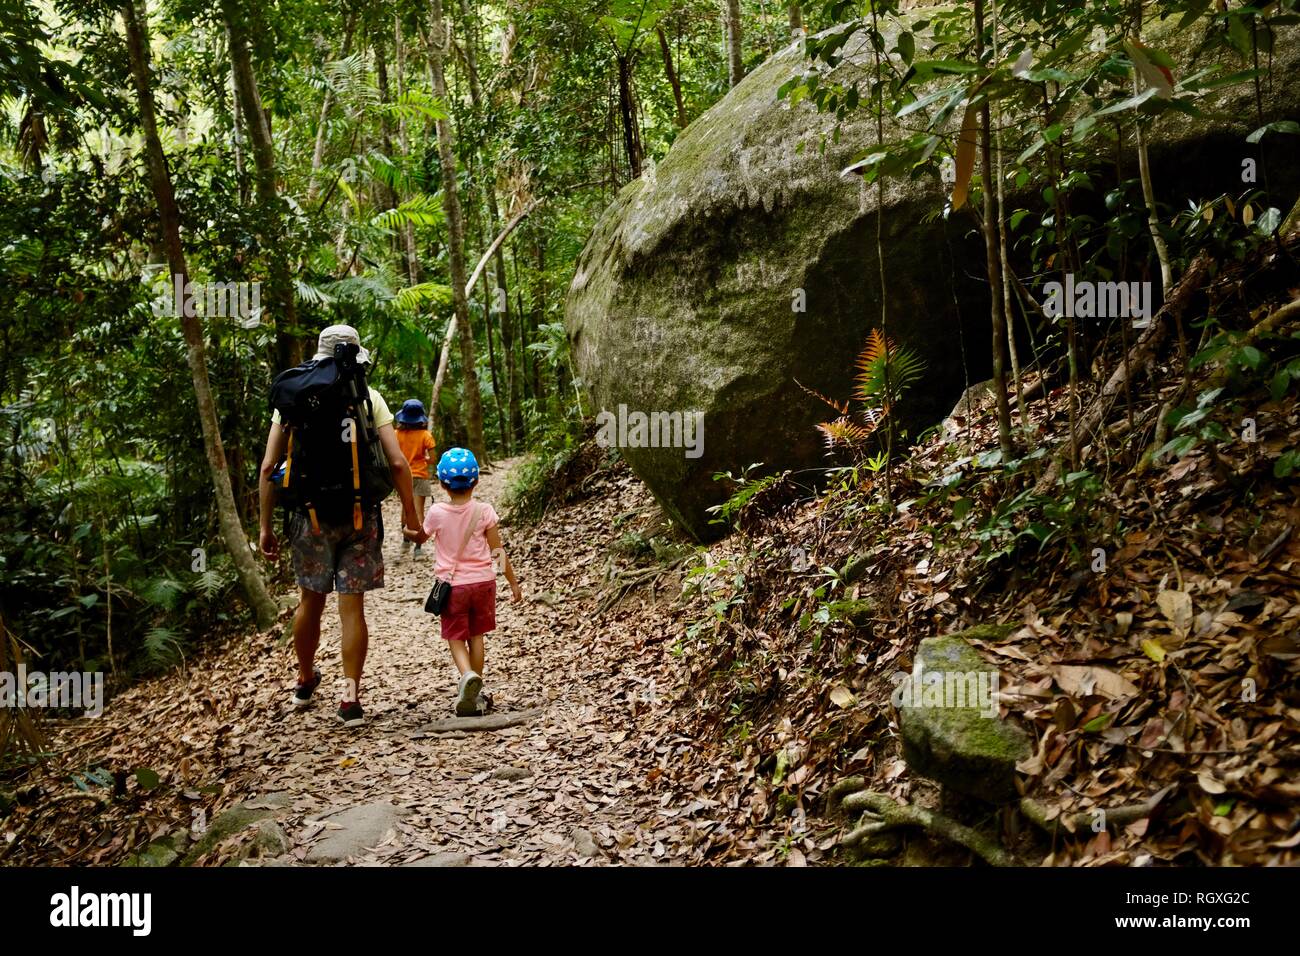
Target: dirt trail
x=546, y=790
x=579, y=782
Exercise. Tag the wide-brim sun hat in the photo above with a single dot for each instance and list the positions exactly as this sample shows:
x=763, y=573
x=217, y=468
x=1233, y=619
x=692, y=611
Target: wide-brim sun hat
x=340, y=335
x=412, y=412
x=458, y=468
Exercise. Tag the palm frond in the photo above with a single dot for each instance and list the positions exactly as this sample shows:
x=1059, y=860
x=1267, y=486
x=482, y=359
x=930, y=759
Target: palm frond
x=846, y=432
x=413, y=298
x=417, y=104
x=841, y=407
x=419, y=210
x=884, y=371
x=311, y=295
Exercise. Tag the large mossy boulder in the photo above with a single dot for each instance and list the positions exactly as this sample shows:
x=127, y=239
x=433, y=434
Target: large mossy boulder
x=684, y=299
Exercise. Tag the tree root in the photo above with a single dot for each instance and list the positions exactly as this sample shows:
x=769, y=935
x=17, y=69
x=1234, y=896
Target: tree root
x=625, y=582
x=1037, y=814
x=842, y=788
x=881, y=812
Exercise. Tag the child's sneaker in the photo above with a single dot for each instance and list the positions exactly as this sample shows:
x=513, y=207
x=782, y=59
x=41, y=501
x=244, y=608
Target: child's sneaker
x=418, y=552
x=351, y=714
x=467, y=694
x=302, y=692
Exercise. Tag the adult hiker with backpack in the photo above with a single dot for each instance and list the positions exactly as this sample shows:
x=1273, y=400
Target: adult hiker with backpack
x=331, y=458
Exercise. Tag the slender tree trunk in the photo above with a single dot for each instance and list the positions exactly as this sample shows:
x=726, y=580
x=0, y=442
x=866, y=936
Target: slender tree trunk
x=627, y=114
x=250, y=578
x=281, y=293
x=992, y=258
x=539, y=312
x=237, y=139
x=1008, y=309
x=327, y=102
x=1149, y=192
x=880, y=261
x=473, y=406
x=404, y=145
x=672, y=77
x=515, y=432
x=735, y=57
x=796, y=19
x=387, y=193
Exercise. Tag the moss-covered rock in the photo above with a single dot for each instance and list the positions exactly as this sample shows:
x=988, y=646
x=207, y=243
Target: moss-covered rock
x=685, y=296
x=224, y=825
x=949, y=722
x=157, y=853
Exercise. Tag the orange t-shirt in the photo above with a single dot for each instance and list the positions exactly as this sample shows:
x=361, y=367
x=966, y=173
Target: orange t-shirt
x=418, y=446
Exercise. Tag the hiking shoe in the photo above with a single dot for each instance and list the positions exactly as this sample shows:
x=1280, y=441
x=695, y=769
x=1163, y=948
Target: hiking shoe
x=302, y=692
x=419, y=553
x=467, y=694
x=351, y=714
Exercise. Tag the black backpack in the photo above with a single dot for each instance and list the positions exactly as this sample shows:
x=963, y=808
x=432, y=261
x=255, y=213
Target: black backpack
x=335, y=469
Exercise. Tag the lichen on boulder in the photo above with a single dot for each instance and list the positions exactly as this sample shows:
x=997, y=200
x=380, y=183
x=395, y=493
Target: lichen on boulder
x=688, y=294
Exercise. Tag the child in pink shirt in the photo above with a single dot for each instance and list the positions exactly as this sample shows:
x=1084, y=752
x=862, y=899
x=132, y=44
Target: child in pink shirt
x=471, y=609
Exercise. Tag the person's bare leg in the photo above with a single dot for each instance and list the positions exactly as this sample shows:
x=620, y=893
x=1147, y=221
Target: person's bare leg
x=460, y=655
x=476, y=654
x=356, y=639
x=306, y=631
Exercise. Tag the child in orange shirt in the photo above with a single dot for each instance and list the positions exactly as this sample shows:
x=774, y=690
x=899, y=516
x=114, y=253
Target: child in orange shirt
x=418, y=446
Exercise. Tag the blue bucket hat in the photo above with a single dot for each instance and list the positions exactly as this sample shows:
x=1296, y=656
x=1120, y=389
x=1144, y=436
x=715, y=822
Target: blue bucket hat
x=458, y=468
x=411, y=413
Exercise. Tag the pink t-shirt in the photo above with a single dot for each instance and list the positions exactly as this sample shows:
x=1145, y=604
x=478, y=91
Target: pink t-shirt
x=447, y=524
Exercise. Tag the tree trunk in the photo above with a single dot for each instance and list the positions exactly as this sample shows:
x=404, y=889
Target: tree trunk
x=318, y=152
x=1004, y=260
x=404, y=145
x=993, y=258
x=473, y=406
x=672, y=77
x=539, y=312
x=627, y=114
x=232, y=532
x=735, y=61
x=515, y=431
x=387, y=192
x=281, y=294
x=796, y=19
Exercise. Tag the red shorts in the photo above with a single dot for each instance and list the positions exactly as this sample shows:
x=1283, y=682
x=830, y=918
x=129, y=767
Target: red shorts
x=471, y=610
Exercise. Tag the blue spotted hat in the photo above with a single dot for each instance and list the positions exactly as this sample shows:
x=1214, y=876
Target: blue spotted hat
x=458, y=468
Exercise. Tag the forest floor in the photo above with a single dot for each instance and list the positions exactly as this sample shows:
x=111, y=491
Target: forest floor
x=556, y=787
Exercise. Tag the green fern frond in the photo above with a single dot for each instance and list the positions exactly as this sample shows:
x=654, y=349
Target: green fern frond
x=417, y=104
x=418, y=211
x=411, y=299
x=163, y=592
x=162, y=646
x=311, y=295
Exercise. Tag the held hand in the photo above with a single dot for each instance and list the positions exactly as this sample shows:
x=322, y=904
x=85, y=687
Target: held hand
x=415, y=534
x=269, y=544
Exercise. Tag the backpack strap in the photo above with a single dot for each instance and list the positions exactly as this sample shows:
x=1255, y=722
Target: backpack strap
x=284, y=482
x=357, y=425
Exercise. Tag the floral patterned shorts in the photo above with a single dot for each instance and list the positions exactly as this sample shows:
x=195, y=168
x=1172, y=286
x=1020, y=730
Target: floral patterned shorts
x=338, y=557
